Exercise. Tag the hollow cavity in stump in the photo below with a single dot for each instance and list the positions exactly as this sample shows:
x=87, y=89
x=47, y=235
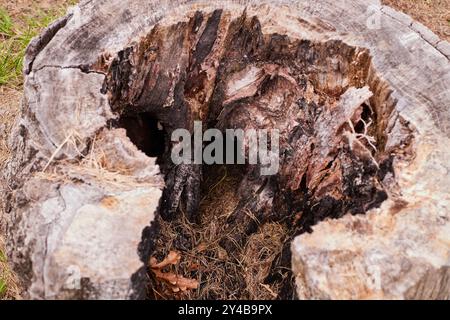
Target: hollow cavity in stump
x=233, y=226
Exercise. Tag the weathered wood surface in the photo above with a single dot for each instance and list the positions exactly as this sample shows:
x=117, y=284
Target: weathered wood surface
x=400, y=250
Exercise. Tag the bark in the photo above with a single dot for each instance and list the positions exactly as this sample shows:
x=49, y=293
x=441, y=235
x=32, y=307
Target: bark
x=364, y=125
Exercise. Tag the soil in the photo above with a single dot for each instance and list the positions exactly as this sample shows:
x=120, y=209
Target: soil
x=18, y=9
x=435, y=14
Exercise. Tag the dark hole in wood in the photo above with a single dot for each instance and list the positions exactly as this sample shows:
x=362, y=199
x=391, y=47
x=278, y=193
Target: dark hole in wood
x=145, y=132
x=237, y=150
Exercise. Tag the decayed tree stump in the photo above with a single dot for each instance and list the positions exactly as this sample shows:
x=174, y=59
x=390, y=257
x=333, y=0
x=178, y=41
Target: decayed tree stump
x=359, y=93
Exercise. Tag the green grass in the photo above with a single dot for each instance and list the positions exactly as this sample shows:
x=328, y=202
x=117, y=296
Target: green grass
x=15, y=37
x=3, y=288
x=8, y=282
x=3, y=282
x=6, y=25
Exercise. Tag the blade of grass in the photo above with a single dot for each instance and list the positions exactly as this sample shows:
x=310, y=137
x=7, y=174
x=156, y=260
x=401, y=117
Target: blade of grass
x=3, y=288
x=15, y=39
x=3, y=283
x=6, y=24
x=10, y=63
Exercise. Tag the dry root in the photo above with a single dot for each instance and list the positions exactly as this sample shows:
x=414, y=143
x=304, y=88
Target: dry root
x=175, y=282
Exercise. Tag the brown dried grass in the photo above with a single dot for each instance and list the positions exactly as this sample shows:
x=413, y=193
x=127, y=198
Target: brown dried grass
x=222, y=275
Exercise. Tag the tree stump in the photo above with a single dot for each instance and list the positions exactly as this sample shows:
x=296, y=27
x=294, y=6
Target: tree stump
x=360, y=95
